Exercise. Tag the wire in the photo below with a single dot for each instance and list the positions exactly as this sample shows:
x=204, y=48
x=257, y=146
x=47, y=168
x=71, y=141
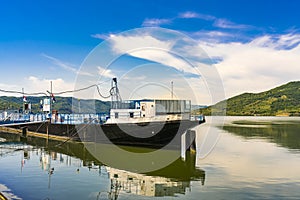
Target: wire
x=63, y=92
x=77, y=90
x=24, y=93
x=85, y=88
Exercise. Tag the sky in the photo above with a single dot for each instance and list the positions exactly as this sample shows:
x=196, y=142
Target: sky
x=251, y=46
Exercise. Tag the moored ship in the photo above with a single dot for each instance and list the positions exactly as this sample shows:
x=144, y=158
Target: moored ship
x=153, y=123
x=147, y=122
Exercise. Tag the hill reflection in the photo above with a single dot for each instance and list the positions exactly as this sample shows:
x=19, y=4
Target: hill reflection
x=283, y=133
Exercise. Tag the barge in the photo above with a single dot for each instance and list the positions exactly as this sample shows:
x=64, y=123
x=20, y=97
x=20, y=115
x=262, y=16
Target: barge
x=154, y=123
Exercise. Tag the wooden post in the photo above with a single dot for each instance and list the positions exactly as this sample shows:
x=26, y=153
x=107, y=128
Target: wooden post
x=47, y=130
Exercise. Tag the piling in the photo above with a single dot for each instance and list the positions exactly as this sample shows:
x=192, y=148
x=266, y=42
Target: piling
x=24, y=131
x=190, y=141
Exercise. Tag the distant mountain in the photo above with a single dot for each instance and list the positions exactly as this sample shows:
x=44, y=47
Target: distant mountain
x=280, y=101
x=62, y=104
x=194, y=107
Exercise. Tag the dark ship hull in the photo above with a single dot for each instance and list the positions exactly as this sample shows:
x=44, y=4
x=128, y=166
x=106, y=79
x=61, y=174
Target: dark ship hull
x=154, y=135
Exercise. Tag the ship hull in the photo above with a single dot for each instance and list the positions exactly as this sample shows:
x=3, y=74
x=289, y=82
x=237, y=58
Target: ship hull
x=154, y=135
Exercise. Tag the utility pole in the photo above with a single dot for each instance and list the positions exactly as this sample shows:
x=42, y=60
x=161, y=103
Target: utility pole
x=51, y=95
x=172, y=89
x=23, y=101
x=50, y=103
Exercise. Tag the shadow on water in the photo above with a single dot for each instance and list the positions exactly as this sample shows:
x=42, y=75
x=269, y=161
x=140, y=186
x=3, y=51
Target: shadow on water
x=283, y=133
x=167, y=181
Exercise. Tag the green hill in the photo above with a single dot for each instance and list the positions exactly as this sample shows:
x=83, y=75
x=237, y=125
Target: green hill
x=283, y=100
x=62, y=104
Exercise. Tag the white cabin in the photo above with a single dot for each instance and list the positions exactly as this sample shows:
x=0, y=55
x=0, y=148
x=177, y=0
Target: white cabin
x=150, y=110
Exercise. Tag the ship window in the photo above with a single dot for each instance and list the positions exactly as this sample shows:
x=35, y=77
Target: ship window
x=116, y=115
x=143, y=108
x=131, y=114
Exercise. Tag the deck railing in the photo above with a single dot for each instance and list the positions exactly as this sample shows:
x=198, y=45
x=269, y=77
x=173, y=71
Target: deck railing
x=54, y=118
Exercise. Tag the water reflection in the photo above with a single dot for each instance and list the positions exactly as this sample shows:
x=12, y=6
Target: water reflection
x=284, y=133
x=53, y=155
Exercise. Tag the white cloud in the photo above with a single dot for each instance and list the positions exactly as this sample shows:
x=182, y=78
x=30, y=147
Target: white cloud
x=126, y=44
x=152, y=49
x=10, y=87
x=106, y=73
x=166, y=52
x=35, y=84
x=257, y=65
x=191, y=15
x=156, y=22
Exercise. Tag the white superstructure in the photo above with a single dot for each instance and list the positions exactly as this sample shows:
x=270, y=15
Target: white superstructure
x=150, y=110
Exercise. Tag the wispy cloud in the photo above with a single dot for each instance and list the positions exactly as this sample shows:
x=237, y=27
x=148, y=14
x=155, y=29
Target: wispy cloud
x=60, y=63
x=190, y=15
x=216, y=22
x=102, y=36
x=65, y=66
x=280, y=42
x=212, y=36
x=156, y=22
x=226, y=24
x=184, y=15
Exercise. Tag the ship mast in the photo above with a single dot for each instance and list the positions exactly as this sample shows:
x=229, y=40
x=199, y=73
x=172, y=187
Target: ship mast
x=115, y=94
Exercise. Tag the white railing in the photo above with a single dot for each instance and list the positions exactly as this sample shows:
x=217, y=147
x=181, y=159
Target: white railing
x=55, y=118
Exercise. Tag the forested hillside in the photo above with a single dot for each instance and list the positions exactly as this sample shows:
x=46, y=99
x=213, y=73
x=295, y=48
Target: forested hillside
x=283, y=100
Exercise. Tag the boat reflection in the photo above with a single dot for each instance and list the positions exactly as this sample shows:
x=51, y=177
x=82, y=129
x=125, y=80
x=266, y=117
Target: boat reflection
x=139, y=184
x=171, y=180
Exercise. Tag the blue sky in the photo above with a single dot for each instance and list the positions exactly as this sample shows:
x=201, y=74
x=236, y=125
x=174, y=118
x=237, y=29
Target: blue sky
x=254, y=43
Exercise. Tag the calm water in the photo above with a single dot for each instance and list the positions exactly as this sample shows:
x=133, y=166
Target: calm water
x=254, y=158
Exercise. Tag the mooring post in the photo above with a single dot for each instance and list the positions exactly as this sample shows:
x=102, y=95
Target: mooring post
x=190, y=141
x=47, y=130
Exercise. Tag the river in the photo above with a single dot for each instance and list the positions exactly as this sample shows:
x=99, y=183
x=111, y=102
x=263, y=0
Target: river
x=242, y=158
